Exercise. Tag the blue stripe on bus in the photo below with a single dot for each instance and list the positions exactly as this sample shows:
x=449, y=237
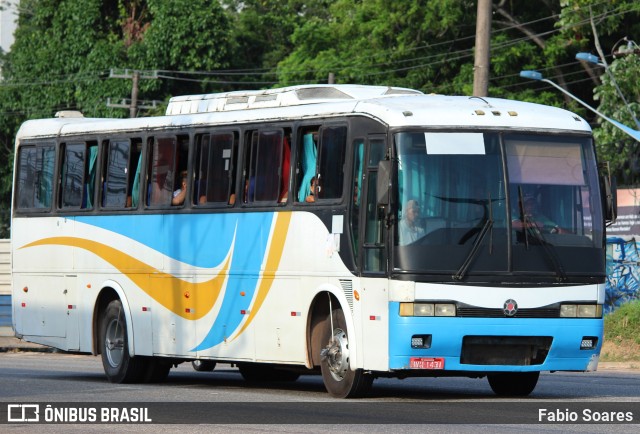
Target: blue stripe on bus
x=447, y=334
x=249, y=253
x=201, y=240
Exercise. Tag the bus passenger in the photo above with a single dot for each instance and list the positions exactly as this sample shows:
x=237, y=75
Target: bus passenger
x=180, y=193
x=408, y=229
x=312, y=193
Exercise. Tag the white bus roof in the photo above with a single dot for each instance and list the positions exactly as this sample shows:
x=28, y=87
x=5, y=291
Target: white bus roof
x=396, y=107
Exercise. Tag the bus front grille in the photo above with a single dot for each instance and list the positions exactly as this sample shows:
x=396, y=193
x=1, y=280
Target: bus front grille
x=505, y=350
x=480, y=312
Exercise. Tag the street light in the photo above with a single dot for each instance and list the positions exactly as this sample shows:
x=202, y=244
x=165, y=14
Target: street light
x=592, y=58
x=588, y=57
x=535, y=75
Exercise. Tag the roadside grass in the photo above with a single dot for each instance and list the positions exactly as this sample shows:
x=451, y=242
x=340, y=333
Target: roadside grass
x=622, y=334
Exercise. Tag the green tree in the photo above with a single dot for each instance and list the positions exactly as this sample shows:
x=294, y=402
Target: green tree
x=261, y=33
x=615, y=146
x=414, y=44
x=64, y=51
x=601, y=27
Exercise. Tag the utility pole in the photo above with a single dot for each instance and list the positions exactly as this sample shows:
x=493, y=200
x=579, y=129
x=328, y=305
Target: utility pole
x=135, y=77
x=483, y=38
x=133, y=110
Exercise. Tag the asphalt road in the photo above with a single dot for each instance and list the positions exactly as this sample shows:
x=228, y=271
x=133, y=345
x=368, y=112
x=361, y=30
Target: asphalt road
x=222, y=400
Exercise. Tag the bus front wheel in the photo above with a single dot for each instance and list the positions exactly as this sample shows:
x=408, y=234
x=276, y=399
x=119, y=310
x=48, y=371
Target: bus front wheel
x=513, y=383
x=118, y=365
x=339, y=379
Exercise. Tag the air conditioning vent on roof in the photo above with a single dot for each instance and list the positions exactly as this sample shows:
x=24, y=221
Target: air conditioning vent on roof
x=262, y=98
x=396, y=91
x=69, y=114
x=238, y=100
x=321, y=93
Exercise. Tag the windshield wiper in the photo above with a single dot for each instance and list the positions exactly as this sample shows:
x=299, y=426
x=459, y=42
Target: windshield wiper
x=475, y=248
x=488, y=224
x=536, y=234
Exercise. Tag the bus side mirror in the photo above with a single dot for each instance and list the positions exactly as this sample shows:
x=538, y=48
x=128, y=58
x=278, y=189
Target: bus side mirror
x=382, y=184
x=609, y=192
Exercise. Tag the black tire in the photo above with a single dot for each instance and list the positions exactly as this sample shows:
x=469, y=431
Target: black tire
x=513, y=383
x=118, y=365
x=203, y=365
x=339, y=379
x=257, y=372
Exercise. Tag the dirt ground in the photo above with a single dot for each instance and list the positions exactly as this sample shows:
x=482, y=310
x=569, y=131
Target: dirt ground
x=620, y=351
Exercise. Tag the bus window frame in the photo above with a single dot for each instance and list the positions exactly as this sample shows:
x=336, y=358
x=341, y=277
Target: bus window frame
x=88, y=142
x=196, y=162
x=248, y=157
x=51, y=142
x=134, y=141
x=319, y=126
x=149, y=143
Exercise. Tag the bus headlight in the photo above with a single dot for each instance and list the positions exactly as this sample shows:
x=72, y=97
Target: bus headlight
x=445, y=309
x=427, y=309
x=568, y=311
x=423, y=309
x=581, y=311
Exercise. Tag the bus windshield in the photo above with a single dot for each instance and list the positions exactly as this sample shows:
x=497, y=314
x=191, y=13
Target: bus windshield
x=490, y=206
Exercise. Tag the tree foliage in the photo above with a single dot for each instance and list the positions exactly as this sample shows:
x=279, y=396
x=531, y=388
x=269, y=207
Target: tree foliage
x=64, y=51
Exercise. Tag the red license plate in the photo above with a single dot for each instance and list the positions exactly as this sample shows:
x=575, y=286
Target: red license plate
x=426, y=363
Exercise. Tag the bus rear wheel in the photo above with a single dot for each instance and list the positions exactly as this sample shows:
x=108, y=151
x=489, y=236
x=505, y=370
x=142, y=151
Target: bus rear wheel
x=118, y=365
x=513, y=383
x=203, y=365
x=339, y=379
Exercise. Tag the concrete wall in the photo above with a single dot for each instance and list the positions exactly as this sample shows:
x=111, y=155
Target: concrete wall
x=5, y=267
x=5, y=284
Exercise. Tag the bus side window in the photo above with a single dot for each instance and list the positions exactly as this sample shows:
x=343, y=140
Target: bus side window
x=202, y=161
x=72, y=175
x=135, y=172
x=331, y=155
x=358, y=156
x=307, y=161
x=78, y=174
x=286, y=169
x=215, y=168
x=181, y=180
x=35, y=176
x=263, y=166
x=162, y=168
x=116, y=174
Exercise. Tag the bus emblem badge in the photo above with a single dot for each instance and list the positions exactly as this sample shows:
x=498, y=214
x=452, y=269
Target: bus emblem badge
x=510, y=308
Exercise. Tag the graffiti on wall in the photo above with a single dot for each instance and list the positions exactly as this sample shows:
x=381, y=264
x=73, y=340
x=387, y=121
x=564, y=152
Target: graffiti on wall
x=623, y=273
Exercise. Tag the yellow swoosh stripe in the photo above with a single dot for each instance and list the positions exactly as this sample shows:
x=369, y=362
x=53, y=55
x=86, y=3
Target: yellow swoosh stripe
x=186, y=299
x=273, y=261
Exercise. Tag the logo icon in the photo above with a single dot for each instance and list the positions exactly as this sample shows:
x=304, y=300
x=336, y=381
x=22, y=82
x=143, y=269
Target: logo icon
x=510, y=308
x=23, y=413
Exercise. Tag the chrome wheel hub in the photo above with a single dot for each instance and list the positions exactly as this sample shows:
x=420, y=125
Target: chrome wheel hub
x=336, y=355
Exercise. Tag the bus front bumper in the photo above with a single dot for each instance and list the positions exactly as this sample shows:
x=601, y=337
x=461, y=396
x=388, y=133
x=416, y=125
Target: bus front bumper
x=494, y=344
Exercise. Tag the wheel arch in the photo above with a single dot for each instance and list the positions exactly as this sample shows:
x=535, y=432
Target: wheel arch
x=110, y=291
x=319, y=314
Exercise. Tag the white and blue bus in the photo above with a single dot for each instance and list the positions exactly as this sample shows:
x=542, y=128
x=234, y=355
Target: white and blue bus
x=352, y=231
